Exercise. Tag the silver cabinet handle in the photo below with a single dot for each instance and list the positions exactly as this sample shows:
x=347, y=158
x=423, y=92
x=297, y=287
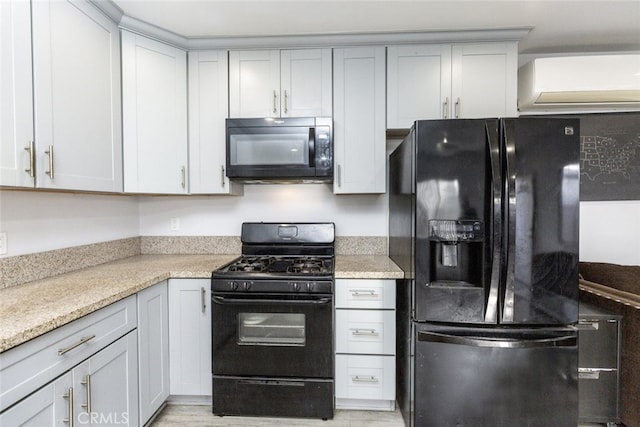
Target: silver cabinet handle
x=87, y=384
x=69, y=395
x=286, y=98
x=588, y=326
x=445, y=108
x=50, y=172
x=275, y=99
x=183, y=177
x=203, y=299
x=457, y=108
x=365, y=332
x=339, y=175
x=359, y=294
x=222, y=176
x=364, y=379
x=79, y=343
x=32, y=159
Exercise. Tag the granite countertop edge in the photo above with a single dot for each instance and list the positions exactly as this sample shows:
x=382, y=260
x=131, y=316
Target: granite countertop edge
x=33, y=309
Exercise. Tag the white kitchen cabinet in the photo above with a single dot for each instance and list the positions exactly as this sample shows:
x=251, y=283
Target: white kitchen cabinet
x=153, y=349
x=451, y=81
x=75, y=107
x=280, y=83
x=16, y=100
x=359, y=120
x=49, y=406
x=154, y=99
x=101, y=390
x=365, y=344
x=190, y=337
x=208, y=109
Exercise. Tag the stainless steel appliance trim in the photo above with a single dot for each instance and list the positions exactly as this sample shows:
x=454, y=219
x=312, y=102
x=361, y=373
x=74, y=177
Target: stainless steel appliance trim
x=510, y=226
x=268, y=301
x=560, y=341
x=493, y=140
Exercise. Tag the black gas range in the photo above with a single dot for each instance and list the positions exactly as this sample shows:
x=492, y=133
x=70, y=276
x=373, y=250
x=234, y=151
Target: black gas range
x=275, y=304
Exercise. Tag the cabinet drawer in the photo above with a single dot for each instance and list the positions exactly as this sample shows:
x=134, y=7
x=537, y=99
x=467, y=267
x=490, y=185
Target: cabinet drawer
x=365, y=331
x=598, y=395
x=365, y=293
x=365, y=377
x=27, y=367
x=598, y=343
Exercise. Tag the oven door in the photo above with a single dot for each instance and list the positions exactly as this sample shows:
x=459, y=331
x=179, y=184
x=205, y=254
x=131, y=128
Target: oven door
x=272, y=335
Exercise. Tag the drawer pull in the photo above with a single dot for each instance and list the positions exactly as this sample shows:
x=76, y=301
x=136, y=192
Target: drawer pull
x=591, y=373
x=360, y=294
x=364, y=379
x=365, y=332
x=588, y=326
x=79, y=343
x=69, y=396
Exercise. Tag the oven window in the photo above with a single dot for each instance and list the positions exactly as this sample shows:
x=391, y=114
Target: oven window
x=270, y=149
x=271, y=329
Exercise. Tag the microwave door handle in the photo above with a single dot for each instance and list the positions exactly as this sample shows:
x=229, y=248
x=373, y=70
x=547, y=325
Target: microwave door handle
x=312, y=147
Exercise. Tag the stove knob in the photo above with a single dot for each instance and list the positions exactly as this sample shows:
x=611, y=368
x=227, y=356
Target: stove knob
x=296, y=286
x=233, y=285
x=309, y=286
x=246, y=285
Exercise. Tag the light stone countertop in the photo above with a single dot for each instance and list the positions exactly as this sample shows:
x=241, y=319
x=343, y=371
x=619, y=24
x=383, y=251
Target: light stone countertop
x=32, y=309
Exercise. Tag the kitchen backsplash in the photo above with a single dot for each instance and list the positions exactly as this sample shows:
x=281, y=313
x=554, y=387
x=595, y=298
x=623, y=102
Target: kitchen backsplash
x=27, y=268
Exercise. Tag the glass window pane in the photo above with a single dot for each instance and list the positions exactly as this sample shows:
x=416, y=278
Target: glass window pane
x=269, y=149
x=271, y=329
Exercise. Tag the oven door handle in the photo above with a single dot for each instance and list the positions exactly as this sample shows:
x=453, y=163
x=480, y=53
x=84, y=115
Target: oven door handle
x=267, y=301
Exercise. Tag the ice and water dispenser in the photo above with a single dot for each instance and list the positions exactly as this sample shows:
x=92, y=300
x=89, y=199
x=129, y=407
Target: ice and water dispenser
x=456, y=252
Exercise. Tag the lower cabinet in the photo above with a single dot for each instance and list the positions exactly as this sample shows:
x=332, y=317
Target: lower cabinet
x=102, y=390
x=190, y=336
x=365, y=344
x=153, y=349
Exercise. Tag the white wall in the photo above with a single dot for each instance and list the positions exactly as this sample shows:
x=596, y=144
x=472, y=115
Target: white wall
x=610, y=232
x=354, y=215
x=41, y=221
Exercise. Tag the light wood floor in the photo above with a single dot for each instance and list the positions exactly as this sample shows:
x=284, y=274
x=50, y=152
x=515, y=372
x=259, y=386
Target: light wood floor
x=201, y=416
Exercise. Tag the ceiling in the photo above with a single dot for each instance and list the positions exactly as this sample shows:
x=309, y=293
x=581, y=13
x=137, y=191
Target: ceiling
x=557, y=25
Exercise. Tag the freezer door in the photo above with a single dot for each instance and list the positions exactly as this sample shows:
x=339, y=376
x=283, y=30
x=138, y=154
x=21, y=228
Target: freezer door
x=500, y=379
x=458, y=207
x=541, y=157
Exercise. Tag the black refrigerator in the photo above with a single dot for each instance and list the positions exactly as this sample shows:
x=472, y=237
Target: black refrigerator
x=483, y=219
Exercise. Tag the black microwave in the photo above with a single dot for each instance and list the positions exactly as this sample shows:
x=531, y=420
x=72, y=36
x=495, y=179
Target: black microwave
x=280, y=149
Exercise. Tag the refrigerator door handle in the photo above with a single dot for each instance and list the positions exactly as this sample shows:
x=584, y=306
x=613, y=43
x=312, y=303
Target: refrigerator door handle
x=496, y=342
x=493, y=141
x=510, y=220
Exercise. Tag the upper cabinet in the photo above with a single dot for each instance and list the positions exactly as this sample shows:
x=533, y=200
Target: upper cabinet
x=280, y=83
x=154, y=91
x=66, y=134
x=358, y=122
x=451, y=81
x=208, y=109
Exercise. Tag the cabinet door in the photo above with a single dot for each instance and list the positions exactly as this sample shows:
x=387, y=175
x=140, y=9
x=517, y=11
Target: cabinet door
x=254, y=83
x=359, y=120
x=76, y=65
x=49, y=406
x=106, y=385
x=484, y=80
x=418, y=84
x=154, y=87
x=153, y=349
x=16, y=99
x=190, y=336
x=305, y=83
x=208, y=109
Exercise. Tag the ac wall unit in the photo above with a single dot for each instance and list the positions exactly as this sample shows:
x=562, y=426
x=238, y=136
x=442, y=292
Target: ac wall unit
x=580, y=82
